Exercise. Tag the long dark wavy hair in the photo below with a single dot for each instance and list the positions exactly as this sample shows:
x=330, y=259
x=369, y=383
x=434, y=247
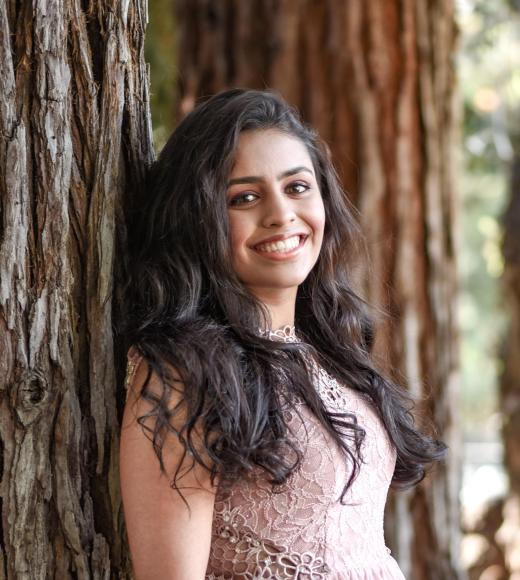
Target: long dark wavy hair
x=188, y=310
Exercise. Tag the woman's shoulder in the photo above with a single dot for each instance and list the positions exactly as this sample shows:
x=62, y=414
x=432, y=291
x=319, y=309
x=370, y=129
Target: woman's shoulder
x=140, y=373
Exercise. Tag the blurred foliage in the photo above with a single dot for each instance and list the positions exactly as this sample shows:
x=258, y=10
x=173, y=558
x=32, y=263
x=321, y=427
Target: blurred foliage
x=489, y=79
x=161, y=55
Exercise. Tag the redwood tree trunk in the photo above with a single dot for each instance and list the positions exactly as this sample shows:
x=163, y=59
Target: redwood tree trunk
x=74, y=127
x=377, y=80
x=510, y=379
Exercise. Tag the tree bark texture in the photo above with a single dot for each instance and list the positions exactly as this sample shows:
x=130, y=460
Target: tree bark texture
x=74, y=129
x=377, y=80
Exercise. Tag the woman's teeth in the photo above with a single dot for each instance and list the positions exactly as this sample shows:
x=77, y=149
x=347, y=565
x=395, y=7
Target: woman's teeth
x=280, y=246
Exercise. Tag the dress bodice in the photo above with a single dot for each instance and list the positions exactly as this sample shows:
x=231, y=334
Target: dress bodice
x=303, y=530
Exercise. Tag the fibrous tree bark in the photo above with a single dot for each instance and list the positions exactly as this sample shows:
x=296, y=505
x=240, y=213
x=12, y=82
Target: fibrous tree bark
x=377, y=80
x=74, y=130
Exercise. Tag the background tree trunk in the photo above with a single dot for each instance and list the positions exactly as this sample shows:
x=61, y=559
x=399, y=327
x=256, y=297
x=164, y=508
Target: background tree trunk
x=74, y=127
x=510, y=379
x=377, y=80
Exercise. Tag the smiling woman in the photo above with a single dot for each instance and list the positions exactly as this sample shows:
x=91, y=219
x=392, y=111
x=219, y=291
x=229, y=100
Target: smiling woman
x=258, y=438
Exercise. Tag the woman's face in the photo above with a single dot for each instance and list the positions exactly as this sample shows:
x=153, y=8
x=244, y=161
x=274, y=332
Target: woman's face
x=276, y=212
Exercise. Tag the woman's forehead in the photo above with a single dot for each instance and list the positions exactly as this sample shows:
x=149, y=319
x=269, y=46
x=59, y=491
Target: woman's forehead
x=269, y=151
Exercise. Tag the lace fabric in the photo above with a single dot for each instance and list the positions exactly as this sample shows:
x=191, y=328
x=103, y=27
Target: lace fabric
x=301, y=530
x=285, y=334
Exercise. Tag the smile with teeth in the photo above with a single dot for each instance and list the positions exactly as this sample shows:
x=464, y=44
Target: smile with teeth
x=280, y=246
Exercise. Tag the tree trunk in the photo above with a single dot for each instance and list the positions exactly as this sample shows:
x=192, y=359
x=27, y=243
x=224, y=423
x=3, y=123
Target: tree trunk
x=510, y=379
x=377, y=80
x=74, y=128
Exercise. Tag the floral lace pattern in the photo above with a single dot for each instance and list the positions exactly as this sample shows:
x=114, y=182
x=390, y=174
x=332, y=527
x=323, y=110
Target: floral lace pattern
x=285, y=334
x=302, y=530
x=258, y=558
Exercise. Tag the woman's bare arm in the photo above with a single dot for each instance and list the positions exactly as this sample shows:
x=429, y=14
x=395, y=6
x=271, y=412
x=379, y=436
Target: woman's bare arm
x=167, y=541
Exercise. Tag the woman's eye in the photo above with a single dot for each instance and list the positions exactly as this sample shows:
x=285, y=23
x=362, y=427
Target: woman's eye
x=298, y=187
x=247, y=197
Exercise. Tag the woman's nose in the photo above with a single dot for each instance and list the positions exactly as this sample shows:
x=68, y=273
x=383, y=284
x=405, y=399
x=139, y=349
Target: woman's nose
x=278, y=210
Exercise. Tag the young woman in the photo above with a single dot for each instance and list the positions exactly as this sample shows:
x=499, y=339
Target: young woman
x=258, y=439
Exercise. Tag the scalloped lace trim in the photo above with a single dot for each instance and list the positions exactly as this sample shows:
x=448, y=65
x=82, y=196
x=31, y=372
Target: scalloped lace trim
x=285, y=334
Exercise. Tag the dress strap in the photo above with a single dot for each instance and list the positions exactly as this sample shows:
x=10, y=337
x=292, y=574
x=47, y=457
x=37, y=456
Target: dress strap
x=133, y=361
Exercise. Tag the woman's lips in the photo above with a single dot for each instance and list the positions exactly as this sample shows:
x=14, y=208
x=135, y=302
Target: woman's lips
x=281, y=249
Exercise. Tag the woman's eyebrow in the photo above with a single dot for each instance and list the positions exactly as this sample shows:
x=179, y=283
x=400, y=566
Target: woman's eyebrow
x=260, y=179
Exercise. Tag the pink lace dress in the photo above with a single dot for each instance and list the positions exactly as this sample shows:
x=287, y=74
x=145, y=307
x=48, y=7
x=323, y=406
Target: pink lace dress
x=303, y=531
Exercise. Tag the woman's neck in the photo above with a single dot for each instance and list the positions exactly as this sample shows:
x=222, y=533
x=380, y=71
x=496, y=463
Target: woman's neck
x=280, y=304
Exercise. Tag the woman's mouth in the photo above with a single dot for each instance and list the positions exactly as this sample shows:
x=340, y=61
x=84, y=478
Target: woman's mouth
x=281, y=248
